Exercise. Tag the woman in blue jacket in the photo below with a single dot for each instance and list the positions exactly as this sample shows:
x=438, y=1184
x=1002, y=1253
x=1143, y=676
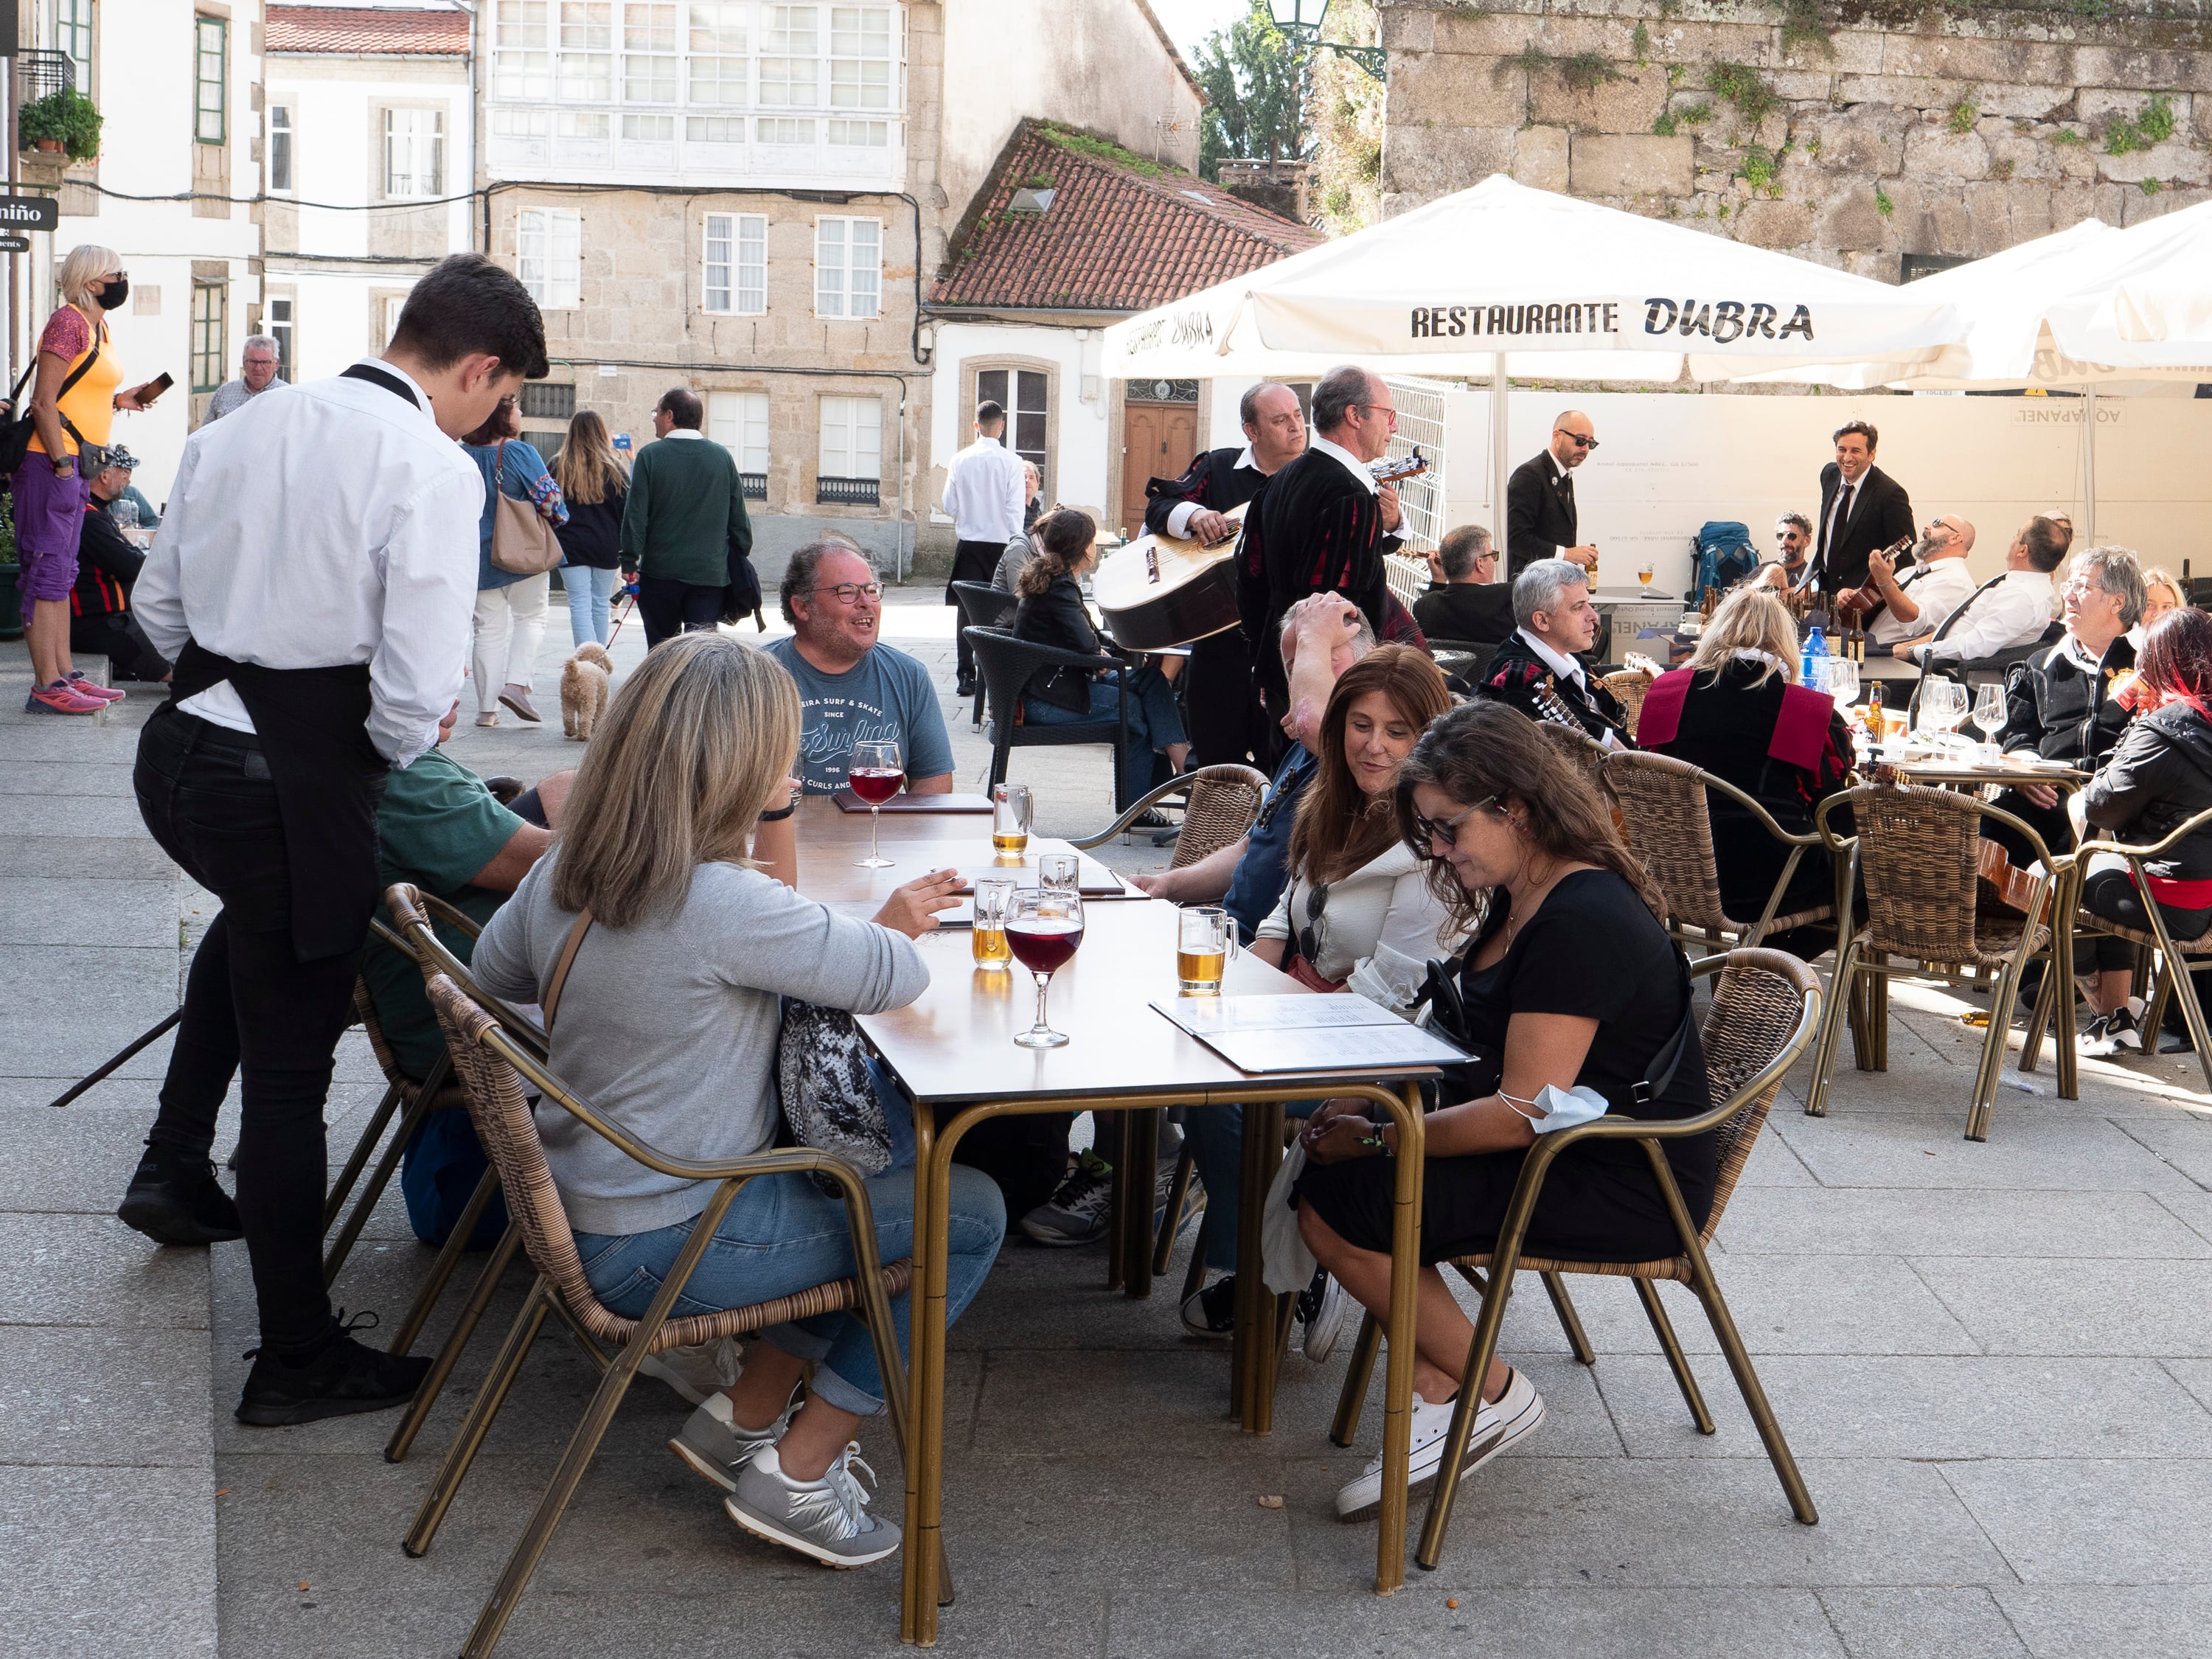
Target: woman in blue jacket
x=510, y=617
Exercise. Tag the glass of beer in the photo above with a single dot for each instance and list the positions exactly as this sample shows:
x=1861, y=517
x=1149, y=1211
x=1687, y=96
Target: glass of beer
x=993, y=899
x=1060, y=871
x=1205, y=940
x=1010, y=817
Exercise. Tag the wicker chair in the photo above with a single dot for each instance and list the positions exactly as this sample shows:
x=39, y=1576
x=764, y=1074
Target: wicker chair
x=1666, y=816
x=1580, y=751
x=983, y=606
x=1629, y=686
x=1918, y=854
x=492, y=1068
x=1006, y=665
x=1220, y=803
x=1765, y=1007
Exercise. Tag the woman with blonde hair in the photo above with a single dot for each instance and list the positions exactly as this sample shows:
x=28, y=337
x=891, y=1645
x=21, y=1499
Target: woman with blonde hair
x=1736, y=710
x=668, y=1022
x=2161, y=594
x=594, y=485
x=73, y=405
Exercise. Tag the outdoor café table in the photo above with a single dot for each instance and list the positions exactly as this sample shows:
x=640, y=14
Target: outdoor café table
x=953, y=1054
x=1961, y=769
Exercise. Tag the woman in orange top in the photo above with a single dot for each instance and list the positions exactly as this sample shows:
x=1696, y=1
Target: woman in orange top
x=51, y=485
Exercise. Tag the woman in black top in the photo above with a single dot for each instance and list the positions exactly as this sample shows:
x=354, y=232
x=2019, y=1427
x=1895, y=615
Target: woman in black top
x=595, y=489
x=1571, y=981
x=1052, y=612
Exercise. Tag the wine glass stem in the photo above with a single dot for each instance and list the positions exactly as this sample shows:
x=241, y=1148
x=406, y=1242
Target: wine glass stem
x=875, y=828
x=1043, y=983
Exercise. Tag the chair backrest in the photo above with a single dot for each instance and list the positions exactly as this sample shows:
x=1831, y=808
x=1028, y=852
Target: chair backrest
x=411, y=912
x=1584, y=752
x=1666, y=819
x=1469, y=658
x=983, y=606
x=1629, y=686
x=1919, y=856
x=1223, y=801
x=1760, y=1003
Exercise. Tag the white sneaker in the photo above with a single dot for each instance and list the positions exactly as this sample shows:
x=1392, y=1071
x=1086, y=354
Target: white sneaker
x=827, y=1519
x=1322, y=1306
x=703, y=1369
x=1498, y=1424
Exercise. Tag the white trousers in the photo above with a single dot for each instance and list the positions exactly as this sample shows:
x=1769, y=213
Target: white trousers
x=510, y=622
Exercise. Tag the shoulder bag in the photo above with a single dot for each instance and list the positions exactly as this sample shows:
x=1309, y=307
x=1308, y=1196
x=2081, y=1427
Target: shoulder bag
x=16, y=434
x=522, y=543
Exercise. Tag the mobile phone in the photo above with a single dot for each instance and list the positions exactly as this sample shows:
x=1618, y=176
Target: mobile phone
x=154, y=387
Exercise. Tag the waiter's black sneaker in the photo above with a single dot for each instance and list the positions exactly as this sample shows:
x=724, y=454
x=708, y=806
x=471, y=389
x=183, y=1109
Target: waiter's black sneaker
x=964, y=686
x=175, y=1200
x=343, y=1378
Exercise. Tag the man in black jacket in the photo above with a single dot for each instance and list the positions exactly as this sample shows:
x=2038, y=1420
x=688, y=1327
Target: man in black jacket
x=1540, y=521
x=1465, y=601
x=101, y=622
x=1539, y=670
x=1219, y=709
x=1862, y=508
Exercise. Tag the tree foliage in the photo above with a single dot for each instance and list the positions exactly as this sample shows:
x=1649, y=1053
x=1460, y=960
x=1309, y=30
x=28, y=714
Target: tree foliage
x=1254, y=81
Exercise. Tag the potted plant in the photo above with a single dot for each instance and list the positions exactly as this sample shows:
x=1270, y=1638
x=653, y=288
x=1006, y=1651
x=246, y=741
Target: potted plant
x=64, y=121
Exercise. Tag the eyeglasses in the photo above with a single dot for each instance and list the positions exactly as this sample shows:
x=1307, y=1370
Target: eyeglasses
x=1577, y=439
x=1380, y=409
x=1428, y=831
x=850, y=592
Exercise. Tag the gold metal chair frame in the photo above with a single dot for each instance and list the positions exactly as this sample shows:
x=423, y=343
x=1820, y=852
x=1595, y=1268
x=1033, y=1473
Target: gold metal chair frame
x=1227, y=776
x=1692, y=1268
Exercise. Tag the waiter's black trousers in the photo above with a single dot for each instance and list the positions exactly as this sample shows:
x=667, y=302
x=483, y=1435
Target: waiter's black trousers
x=669, y=607
x=251, y=1009
x=972, y=561
x=1220, y=704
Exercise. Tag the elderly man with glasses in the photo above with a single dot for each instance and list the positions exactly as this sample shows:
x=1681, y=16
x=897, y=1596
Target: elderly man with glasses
x=1540, y=499
x=1465, y=600
x=256, y=373
x=852, y=688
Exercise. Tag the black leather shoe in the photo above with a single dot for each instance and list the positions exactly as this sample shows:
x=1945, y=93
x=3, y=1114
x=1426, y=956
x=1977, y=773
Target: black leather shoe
x=174, y=1200
x=965, y=688
x=344, y=1378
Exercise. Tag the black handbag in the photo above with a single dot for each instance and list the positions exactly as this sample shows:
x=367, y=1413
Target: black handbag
x=16, y=434
x=741, y=593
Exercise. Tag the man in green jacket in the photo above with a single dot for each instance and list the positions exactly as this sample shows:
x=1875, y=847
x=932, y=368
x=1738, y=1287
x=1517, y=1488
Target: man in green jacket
x=686, y=514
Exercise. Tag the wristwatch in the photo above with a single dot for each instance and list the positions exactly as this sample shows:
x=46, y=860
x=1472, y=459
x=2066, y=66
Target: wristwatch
x=65, y=467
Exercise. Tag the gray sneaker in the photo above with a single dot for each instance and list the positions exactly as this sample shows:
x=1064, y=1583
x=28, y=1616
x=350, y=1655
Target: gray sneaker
x=827, y=1519
x=717, y=1446
x=1076, y=1214
x=695, y=1372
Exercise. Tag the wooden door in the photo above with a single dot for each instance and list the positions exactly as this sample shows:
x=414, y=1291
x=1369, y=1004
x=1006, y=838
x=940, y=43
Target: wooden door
x=1159, y=441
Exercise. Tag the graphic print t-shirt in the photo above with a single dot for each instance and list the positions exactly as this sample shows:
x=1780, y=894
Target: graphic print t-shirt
x=886, y=695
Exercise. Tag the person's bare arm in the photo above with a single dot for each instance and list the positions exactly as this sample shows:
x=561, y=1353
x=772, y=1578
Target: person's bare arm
x=1206, y=882
x=46, y=410
x=512, y=862
x=775, y=842
x=1540, y=1050
x=1325, y=621
x=939, y=785
x=553, y=794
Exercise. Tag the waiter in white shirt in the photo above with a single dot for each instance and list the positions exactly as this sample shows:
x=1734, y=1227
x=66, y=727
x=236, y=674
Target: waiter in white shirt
x=984, y=493
x=2014, y=609
x=313, y=578
x=1937, y=583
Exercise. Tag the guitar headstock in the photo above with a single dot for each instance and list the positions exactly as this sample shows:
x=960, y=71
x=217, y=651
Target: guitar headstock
x=1391, y=468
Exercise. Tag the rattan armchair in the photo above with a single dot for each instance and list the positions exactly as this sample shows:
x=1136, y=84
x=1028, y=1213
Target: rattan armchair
x=1767, y=1005
x=1918, y=854
x=493, y=1068
x=1628, y=686
x=1220, y=803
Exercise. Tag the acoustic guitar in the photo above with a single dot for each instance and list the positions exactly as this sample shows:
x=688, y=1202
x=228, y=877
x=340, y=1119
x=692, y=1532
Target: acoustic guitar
x=1166, y=590
x=1861, y=605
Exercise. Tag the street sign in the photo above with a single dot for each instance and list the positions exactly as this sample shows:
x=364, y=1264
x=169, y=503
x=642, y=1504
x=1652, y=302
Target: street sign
x=14, y=245
x=22, y=213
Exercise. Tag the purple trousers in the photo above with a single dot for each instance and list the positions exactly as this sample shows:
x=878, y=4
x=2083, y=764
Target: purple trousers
x=49, y=524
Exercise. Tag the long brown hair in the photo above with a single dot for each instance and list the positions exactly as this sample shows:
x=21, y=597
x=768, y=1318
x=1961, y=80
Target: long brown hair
x=1338, y=827
x=1487, y=752
x=1064, y=540
x=585, y=469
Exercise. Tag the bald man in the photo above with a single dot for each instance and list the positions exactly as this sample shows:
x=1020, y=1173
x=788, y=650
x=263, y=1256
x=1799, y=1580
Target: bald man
x=1540, y=499
x=1937, y=583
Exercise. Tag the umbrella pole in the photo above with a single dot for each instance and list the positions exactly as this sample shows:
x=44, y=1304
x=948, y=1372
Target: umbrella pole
x=1501, y=464
x=2089, y=465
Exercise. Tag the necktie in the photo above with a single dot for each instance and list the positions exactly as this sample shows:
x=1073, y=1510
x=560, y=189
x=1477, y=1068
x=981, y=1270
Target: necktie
x=1842, y=514
x=1952, y=620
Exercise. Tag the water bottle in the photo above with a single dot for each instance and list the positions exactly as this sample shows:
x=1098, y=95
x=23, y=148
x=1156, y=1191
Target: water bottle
x=1816, y=653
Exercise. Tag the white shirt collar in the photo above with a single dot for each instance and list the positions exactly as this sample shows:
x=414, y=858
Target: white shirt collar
x=1245, y=459
x=1564, y=667
x=2077, y=652
x=415, y=386
x=981, y=440
x=685, y=432
x=1351, y=463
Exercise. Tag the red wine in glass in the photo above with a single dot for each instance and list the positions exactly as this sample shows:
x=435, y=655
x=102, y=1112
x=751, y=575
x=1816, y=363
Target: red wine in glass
x=876, y=784
x=1042, y=931
x=875, y=772
x=1044, y=946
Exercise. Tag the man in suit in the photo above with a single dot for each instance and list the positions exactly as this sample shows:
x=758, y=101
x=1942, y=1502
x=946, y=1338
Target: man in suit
x=1557, y=624
x=1540, y=499
x=1322, y=526
x=1464, y=600
x=1219, y=711
x=1862, y=508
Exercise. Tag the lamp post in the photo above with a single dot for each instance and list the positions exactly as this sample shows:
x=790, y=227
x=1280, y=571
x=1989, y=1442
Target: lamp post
x=1292, y=21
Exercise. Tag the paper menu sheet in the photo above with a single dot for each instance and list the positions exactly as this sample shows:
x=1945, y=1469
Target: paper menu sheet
x=1209, y=1016
x=1263, y=1034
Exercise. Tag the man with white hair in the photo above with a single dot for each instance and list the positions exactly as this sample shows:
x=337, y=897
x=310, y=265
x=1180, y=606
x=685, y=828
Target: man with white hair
x=1538, y=670
x=256, y=373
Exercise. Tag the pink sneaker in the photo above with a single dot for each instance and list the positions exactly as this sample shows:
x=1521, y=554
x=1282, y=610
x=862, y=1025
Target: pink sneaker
x=85, y=688
x=61, y=698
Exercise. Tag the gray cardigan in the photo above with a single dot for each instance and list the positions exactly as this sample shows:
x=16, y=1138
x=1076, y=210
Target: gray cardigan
x=670, y=1027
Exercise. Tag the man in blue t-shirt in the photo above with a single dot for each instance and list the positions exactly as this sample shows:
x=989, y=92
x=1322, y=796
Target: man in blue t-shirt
x=852, y=687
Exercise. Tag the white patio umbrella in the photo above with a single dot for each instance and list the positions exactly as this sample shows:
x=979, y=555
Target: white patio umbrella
x=2147, y=313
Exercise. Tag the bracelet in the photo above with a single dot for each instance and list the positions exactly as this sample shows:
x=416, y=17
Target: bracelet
x=779, y=814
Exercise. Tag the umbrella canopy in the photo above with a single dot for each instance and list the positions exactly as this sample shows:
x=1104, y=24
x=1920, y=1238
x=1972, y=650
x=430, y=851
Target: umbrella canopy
x=2149, y=313
x=1563, y=289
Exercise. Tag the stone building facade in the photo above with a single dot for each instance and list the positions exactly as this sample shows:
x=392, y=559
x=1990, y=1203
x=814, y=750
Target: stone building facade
x=1874, y=139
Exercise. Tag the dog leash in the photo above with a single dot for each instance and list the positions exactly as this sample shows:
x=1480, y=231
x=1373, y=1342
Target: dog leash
x=614, y=632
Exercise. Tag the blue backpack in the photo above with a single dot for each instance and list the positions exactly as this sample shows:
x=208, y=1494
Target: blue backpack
x=1724, y=556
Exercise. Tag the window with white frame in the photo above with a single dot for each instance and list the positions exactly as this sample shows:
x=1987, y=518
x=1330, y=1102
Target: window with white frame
x=790, y=55
x=737, y=263
x=280, y=329
x=714, y=129
x=584, y=124
x=549, y=255
x=852, y=453
x=414, y=153
x=738, y=422
x=585, y=70
x=388, y=311
x=649, y=129
x=1026, y=396
x=848, y=266
x=521, y=56
x=280, y=146
x=860, y=57
x=720, y=70
x=649, y=57
x=520, y=122
x=794, y=129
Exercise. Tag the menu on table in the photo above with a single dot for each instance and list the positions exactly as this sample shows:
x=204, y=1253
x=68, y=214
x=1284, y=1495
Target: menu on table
x=1263, y=1034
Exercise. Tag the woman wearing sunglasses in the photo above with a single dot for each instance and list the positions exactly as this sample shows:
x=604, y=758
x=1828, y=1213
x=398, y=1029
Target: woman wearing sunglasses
x=1570, y=984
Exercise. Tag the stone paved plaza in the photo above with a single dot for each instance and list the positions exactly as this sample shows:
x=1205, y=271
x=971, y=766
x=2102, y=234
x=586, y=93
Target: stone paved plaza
x=1994, y=1362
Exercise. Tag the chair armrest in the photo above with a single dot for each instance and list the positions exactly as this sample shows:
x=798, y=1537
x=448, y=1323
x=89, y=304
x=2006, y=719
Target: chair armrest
x=2203, y=820
x=1056, y=656
x=1180, y=784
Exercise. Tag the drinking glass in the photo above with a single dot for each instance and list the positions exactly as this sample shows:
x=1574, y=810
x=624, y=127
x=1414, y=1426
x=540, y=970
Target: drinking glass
x=875, y=772
x=1205, y=940
x=124, y=512
x=1010, y=817
x=1059, y=870
x=1843, y=681
x=1990, y=715
x=1043, y=930
x=1942, y=706
x=994, y=900
x=1643, y=575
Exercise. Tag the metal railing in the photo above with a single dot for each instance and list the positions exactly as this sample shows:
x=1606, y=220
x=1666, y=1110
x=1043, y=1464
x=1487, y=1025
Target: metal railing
x=40, y=73
x=1420, y=421
x=754, y=485
x=849, y=492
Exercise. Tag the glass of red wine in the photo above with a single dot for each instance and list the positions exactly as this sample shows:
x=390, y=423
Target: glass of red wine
x=1043, y=930
x=875, y=772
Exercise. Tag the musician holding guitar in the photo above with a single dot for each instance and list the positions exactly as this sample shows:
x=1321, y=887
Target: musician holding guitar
x=1907, y=595
x=1540, y=671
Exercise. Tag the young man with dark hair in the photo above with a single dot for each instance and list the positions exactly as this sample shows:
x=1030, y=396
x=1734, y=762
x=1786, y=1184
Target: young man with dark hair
x=685, y=516
x=1862, y=509
x=314, y=580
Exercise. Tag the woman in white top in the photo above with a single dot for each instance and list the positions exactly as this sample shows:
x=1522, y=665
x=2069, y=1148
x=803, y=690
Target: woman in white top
x=1358, y=914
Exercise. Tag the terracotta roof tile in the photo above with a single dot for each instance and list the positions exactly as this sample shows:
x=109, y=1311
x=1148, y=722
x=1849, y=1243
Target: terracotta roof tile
x=443, y=33
x=1122, y=234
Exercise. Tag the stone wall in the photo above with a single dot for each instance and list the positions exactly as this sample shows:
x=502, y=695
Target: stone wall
x=1852, y=137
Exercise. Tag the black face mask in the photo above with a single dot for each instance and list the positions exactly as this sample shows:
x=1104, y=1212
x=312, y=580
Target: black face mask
x=117, y=291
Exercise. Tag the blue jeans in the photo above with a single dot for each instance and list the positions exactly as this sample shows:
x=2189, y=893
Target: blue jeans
x=782, y=1235
x=1215, y=1137
x=1155, y=722
x=589, y=590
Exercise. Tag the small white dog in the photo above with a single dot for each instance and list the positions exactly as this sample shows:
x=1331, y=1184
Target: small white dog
x=584, y=680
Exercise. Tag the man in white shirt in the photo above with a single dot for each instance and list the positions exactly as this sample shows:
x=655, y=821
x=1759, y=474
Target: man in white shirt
x=1938, y=583
x=985, y=494
x=1538, y=670
x=2009, y=610
x=314, y=578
